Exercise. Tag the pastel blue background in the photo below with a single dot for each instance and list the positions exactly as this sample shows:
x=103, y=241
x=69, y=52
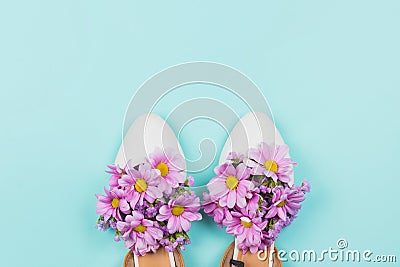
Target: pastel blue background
x=329, y=69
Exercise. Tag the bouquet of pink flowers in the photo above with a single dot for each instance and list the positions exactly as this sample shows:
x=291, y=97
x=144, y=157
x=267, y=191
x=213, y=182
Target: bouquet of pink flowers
x=149, y=205
x=255, y=197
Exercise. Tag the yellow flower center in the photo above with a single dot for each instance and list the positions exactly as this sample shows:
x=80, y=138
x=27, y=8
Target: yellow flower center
x=246, y=222
x=271, y=165
x=115, y=203
x=232, y=182
x=282, y=203
x=141, y=185
x=140, y=228
x=163, y=168
x=177, y=210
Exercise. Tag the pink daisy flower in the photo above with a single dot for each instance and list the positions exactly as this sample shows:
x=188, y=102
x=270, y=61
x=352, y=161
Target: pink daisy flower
x=231, y=186
x=112, y=204
x=141, y=184
x=180, y=212
x=213, y=209
x=271, y=161
x=253, y=201
x=116, y=173
x=169, y=164
x=285, y=201
x=140, y=235
x=247, y=228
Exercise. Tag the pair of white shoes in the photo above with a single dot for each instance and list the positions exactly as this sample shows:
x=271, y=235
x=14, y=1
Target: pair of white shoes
x=150, y=132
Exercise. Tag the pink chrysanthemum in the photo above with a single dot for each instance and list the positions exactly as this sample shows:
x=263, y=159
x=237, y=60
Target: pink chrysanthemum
x=231, y=186
x=271, y=161
x=140, y=235
x=285, y=201
x=253, y=200
x=247, y=227
x=169, y=164
x=180, y=212
x=141, y=183
x=112, y=204
x=213, y=209
x=116, y=173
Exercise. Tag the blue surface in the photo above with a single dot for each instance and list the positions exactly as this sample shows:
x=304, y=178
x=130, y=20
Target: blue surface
x=329, y=69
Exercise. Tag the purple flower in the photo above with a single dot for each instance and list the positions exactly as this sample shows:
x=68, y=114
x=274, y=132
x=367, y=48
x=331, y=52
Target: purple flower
x=117, y=238
x=141, y=184
x=140, y=235
x=274, y=230
x=169, y=164
x=271, y=161
x=247, y=227
x=231, y=186
x=265, y=189
x=113, y=224
x=102, y=225
x=268, y=237
x=112, y=204
x=285, y=201
x=305, y=186
x=152, y=211
x=180, y=212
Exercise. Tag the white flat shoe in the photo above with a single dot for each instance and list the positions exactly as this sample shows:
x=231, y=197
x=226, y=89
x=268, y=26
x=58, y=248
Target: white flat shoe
x=253, y=194
x=149, y=203
x=251, y=129
x=147, y=133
